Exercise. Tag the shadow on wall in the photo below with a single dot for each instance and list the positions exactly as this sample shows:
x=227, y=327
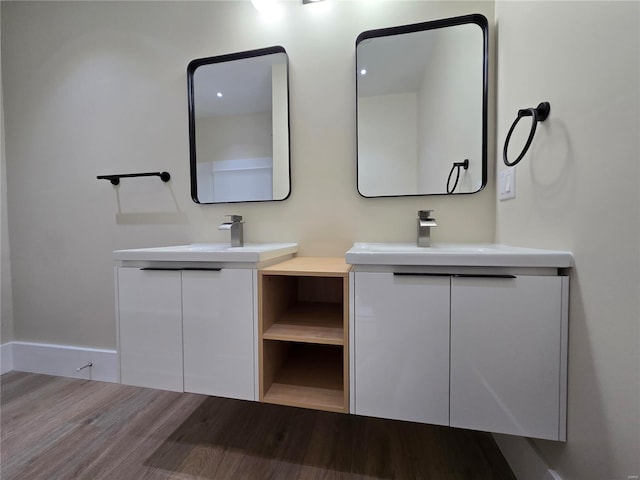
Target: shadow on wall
x=585, y=410
x=552, y=165
x=145, y=201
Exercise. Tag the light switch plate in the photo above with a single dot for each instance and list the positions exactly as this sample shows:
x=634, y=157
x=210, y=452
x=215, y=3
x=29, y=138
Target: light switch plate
x=507, y=184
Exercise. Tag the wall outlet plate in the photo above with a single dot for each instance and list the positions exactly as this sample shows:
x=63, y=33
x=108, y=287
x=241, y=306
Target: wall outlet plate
x=507, y=184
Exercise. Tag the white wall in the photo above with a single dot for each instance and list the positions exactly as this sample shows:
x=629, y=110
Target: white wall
x=388, y=144
x=234, y=137
x=6, y=304
x=452, y=86
x=234, y=142
x=100, y=87
x=579, y=189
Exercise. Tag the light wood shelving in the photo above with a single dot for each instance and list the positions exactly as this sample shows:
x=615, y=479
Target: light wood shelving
x=310, y=323
x=303, y=333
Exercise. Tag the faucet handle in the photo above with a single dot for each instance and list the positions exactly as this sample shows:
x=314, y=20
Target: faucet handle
x=234, y=218
x=425, y=214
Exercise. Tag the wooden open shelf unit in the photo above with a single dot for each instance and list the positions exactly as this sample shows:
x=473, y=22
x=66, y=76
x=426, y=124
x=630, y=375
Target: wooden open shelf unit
x=303, y=333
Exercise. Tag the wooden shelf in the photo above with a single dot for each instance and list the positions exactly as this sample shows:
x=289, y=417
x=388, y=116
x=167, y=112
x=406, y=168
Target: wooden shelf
x=303, y=333
x=310, y=378
x=309, y=322
x=306, y=397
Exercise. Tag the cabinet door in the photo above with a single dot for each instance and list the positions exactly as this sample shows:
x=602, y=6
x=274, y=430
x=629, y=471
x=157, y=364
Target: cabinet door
x=507, y=344
x=218, y=321
x=401, y=341
x=150, y=328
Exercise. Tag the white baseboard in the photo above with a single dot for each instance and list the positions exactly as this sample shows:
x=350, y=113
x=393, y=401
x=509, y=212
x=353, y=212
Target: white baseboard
x=63, y=360
x=6, y=358
x=524, y=459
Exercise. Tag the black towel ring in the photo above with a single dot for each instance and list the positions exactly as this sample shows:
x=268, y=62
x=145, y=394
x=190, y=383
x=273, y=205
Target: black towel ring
x=539, y=114
x=456, y=166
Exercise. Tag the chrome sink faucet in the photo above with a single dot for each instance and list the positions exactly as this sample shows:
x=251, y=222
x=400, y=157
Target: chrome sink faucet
x=425, y=222
x=235, y=224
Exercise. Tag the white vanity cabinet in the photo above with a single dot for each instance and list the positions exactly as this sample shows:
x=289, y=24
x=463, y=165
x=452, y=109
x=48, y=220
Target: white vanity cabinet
x=218, y=332
x=150, y=328
x=188, y=329
x=483, y=352
x=508, y=354
x=187, y=316
x=401, y=342
x=471, y=336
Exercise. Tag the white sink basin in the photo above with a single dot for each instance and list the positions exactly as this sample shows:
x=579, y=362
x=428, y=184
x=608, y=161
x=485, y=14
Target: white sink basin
x=461, y=255
x=209, y=252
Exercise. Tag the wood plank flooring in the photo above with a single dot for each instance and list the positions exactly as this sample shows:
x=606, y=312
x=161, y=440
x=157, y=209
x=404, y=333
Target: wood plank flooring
x=62, y=428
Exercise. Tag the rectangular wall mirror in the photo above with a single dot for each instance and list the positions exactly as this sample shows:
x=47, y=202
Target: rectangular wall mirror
x=239, y=127
x=422, y=108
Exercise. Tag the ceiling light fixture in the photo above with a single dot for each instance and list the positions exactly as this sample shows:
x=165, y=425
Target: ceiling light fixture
x=304, y=2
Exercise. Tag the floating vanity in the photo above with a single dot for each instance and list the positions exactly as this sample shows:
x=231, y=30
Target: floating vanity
x=187, y=316
x=471, y=336
x=468, y=336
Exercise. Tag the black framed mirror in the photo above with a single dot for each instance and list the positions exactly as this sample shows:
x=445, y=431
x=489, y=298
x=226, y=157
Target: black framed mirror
x=239, y=127
x=422, y=108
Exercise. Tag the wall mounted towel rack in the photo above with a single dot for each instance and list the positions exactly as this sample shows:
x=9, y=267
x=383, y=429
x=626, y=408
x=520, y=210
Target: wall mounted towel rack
x=115, y=179
x=456, y=166
x=539, y=114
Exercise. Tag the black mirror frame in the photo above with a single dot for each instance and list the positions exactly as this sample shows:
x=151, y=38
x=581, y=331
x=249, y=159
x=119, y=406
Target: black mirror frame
x=475, y=18
x=191, y=68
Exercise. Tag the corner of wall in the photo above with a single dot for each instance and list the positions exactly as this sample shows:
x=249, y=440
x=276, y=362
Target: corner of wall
x=6, y=358
x=6, y=304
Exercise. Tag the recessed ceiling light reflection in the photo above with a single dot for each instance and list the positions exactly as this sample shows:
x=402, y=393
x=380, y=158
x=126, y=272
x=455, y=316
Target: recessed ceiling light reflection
x=219, y=94
x=363, y=71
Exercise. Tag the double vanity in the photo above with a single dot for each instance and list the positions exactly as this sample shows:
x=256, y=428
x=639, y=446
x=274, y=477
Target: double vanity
x=471, y=336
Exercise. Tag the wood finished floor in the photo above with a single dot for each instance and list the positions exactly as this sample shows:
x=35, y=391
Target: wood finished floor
x=62, y=428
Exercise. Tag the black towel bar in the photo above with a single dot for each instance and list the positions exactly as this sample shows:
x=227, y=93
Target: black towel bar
x=115, y=179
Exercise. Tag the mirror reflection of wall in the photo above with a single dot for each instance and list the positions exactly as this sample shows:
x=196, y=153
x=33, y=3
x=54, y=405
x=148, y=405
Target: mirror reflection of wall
x=239, y=127
x=422, y=107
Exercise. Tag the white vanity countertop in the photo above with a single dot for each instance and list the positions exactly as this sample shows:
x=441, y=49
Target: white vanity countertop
x=208, y=252
x=456, y=255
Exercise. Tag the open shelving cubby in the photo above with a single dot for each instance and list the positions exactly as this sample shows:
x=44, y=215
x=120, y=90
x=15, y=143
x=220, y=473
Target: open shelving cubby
x=303, y=333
